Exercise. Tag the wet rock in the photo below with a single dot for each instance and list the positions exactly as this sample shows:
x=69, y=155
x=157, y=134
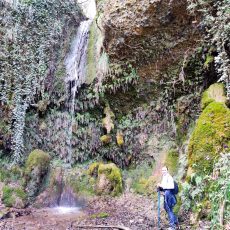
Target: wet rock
x=51, y=195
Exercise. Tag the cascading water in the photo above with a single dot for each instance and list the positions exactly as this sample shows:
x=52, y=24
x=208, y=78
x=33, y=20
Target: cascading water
x=76, y=63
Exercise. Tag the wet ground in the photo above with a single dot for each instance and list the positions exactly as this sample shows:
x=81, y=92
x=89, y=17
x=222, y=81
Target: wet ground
x=39, y=219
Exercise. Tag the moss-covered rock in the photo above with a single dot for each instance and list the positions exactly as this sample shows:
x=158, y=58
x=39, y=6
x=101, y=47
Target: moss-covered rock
x=37, y=166
x=93, y=169
x=109, y=179
x=120, y=139
x=37, y=159
x=13, y=197
x=100, y=215
x=210, y=137
x=81, y=181
x=215, y=92
x=105, y=139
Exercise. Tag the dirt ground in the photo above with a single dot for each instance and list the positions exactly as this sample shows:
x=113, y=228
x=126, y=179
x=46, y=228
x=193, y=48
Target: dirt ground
x=129, y=210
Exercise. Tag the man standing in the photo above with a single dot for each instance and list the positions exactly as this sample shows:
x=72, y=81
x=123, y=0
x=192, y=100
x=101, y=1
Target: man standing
x=167, y=186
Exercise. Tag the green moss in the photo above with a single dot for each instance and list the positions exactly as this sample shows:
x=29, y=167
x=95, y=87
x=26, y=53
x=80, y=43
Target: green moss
x=120, y=139
x=10, y=195
x=113, y=174
x=208, y=61
x=36, y=169
x=215, y=92
x=82, y=185
x=105, y=139
x=37, y=159
x=210, y=137
x=14, y=174
x=91, y=66
x=139, y=179
x=93, y=169
x=171, y=161
x=100, y=215
x=140, y=186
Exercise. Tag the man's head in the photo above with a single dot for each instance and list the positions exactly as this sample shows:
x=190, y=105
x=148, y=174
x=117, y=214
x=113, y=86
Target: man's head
x=164, y=170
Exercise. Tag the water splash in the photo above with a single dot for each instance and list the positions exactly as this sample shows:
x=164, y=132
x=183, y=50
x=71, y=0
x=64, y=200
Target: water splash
x=66, y=210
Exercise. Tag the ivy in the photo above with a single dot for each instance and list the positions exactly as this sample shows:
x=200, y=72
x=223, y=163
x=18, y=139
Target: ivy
x=31, y=31
x=217, y=27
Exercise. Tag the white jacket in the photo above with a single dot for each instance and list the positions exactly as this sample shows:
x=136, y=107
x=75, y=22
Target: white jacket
x=167, y=182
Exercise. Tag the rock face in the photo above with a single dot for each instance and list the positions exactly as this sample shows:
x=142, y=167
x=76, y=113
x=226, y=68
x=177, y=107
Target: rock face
x=151, y=34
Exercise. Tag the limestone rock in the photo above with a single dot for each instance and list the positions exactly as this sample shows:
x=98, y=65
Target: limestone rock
x=148, y=32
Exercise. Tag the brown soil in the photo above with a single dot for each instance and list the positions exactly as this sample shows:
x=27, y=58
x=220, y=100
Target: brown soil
x=130, y=210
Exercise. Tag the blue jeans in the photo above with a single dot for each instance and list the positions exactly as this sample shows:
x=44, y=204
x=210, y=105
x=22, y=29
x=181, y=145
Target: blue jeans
x=169, y=203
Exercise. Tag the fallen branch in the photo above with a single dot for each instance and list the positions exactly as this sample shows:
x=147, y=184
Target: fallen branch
x=102, y=226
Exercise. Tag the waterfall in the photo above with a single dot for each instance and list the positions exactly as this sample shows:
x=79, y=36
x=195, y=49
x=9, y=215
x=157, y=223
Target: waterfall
x=76, y=62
